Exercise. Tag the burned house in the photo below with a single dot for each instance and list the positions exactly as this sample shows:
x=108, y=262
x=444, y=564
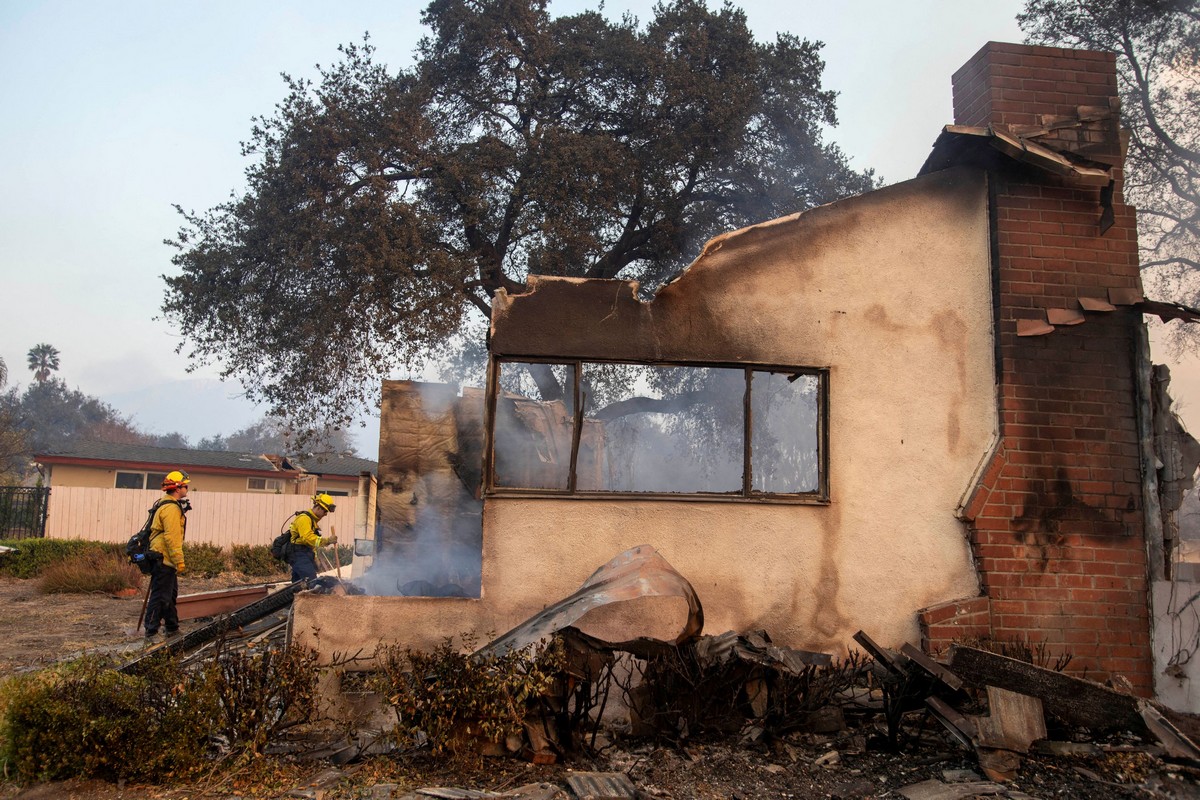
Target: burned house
x=923, y=412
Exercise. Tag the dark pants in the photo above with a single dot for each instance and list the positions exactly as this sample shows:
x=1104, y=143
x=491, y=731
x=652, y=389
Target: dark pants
x=304, y=562
x=160, y=607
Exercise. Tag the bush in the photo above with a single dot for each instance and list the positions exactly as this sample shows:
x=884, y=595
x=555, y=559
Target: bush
x=345, y=553
x=85, y=719
x=255, y=560
x=91, y=571
x=262, y=693
x=33, y=556
x=204, y=560
x=457, y=699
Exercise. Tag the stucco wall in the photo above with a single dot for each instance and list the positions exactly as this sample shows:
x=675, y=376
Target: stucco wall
x=892, y=292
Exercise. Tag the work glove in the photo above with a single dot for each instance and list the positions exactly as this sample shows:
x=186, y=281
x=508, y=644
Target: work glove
x=330, y=539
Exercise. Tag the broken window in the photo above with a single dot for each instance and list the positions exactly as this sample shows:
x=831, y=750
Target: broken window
x=534, y=424
x=582, y=428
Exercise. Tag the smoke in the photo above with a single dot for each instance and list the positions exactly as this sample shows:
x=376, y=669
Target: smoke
x=429, y=539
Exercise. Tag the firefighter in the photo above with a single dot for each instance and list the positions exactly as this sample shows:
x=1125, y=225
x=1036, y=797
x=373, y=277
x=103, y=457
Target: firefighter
x=166, y=540
x=306, y=537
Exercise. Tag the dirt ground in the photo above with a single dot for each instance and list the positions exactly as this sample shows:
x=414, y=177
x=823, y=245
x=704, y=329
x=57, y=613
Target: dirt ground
x=40, y=629
x=44, y=628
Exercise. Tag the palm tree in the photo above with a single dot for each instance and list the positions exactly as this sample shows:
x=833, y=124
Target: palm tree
x=3, y=373
x=43, y=359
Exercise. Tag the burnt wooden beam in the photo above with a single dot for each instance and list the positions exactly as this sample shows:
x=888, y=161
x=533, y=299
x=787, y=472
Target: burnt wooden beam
x=935, y=670
x=963, y=728
x=1073, y=700
x=890, y=659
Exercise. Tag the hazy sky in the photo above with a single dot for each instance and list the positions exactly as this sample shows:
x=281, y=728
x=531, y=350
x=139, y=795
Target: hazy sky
x=113, y=112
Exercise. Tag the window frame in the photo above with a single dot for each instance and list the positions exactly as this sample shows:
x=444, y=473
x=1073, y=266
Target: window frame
x=266, y=489
x=147, y=483
x=119, y=472
x=745, y=495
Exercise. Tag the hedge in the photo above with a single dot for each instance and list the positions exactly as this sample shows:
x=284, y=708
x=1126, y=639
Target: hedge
x=31, y=557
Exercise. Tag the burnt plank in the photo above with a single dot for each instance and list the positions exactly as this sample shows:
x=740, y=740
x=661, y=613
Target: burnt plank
x=943, y=675
x=1014, y=720
x=885, y=657
x=1073, y=700
x=961, y=727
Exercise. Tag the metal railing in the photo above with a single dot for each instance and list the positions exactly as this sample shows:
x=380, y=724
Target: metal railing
x=23, y=511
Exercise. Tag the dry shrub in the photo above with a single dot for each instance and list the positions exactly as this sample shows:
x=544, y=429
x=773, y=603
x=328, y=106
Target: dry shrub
x=676, y=694
x=263, y=693
x=90, y=571
x=30, y=557
x=458, y=700
x=85, y=719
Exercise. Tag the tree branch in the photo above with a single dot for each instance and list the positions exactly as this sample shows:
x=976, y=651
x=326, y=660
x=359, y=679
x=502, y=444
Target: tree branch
x=657, y=405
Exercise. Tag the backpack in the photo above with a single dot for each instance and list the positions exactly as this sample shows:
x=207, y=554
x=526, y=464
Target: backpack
x=281, y=545
x=137, y=549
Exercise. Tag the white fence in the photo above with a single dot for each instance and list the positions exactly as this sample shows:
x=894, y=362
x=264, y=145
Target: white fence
x=221, y=518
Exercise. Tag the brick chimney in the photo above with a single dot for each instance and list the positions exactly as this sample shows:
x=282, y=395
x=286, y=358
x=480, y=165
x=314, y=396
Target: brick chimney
x=1057, y=517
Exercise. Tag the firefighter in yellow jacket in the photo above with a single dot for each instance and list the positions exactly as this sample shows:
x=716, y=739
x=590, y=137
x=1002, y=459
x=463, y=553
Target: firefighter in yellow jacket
x=306, y=537
x=166, y=539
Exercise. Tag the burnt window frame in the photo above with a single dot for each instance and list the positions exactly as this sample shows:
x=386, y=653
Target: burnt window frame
x=745, y=495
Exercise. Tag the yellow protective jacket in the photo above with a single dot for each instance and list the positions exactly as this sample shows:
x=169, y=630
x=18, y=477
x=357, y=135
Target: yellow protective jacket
x=306, y=531
x=167, y=532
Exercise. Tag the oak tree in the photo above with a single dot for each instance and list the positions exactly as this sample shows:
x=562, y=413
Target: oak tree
x=385, y=208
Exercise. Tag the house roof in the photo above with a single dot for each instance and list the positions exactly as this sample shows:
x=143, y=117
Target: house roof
x=336, y=465
x=98, y=453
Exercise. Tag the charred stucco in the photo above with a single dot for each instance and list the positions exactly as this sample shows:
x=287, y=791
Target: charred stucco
x=748, y=285
x=889, y=291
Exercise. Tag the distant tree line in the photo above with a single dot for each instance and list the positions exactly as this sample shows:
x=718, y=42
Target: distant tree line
x=49, y=415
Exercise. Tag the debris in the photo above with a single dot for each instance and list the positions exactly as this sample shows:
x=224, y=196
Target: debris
x=997, y=763
x=888, y=659
x=830, y=760
x=601, y=786
x=318, y=786
x=962, y=728
x=960, y=775
x=223, y=625
x=1014, y=721
x=1176, y=743
x=220, y=601
x=1050, y=748
x=940, y=673
x=638, y=572
x=537, y=791
x=755, y=647
x=1075, y=701
x=933, y=789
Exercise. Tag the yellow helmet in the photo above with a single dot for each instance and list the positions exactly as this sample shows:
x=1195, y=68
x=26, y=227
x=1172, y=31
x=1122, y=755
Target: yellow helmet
x=324, y=501
x=174, y=480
